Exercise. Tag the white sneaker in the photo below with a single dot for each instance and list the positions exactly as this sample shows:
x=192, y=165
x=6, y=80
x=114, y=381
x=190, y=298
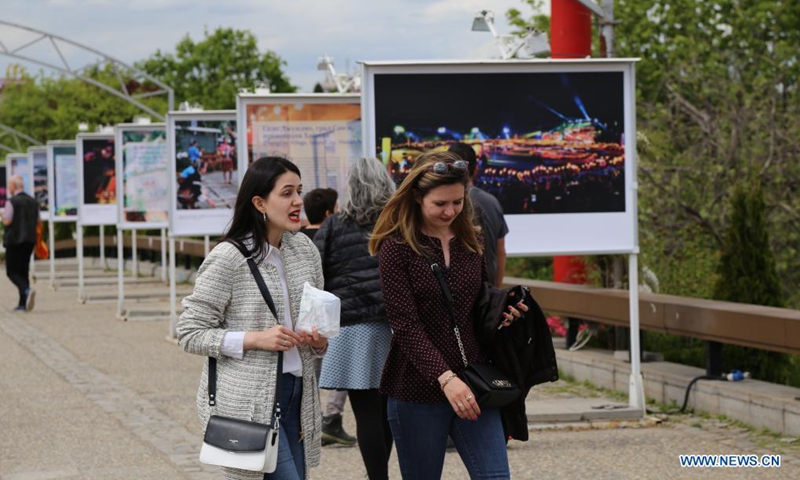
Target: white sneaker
x=30, y=301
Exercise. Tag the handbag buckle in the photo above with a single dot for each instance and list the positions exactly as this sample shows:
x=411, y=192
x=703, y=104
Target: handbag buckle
x=501, y=383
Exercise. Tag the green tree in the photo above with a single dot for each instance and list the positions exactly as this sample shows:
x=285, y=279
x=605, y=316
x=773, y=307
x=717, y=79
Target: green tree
x=213, y=70
x=747, y=274
x=717, y=101
x=50, y=108
x=536, y=20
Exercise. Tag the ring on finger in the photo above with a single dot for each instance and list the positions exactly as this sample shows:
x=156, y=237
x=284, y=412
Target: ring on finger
x=468, y=398
x=460, y=406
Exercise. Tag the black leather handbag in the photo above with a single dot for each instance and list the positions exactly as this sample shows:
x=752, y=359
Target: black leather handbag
x=491, y=387
x=234, y=443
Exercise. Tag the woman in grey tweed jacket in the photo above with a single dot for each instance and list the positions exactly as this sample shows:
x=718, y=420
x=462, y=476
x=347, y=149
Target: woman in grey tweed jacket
x=226, y=317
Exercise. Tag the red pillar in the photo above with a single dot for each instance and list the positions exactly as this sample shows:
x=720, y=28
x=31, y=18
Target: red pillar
x=570, y=37
x=570, y=29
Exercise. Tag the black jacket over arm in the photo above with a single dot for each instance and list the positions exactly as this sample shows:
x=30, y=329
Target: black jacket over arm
x=351, y=273
x=524, y=351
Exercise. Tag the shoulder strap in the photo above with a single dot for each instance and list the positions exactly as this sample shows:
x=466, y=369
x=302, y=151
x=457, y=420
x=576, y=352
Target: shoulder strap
x=212, y=362
x=448, y=301
x=257, y=275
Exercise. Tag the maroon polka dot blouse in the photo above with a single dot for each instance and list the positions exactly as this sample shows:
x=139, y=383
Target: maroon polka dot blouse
x=423, y=342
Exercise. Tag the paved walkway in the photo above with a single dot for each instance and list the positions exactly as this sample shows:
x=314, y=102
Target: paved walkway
x=86, y=396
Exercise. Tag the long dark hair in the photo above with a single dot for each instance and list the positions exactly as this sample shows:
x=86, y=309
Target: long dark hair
x=258, y=181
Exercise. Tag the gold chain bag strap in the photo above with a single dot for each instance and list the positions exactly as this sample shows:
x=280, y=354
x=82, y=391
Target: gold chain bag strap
x=491, y=387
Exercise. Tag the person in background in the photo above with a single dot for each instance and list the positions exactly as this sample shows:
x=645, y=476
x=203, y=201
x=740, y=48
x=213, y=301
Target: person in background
x=489, y=215
x=225, y=152
x=226, y=317
x=320, y=204
x=429, y=220
x=195, y=154
x=20, y=216
x=355, y=358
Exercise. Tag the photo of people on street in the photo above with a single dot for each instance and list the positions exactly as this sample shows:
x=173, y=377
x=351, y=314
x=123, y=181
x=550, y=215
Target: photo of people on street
x=205, y=161
x=546, y=142
x=99, y=171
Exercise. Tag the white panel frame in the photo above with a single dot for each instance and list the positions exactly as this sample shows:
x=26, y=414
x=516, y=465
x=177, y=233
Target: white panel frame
x=209, y=221
x=243, y=100
x=93, y=214
x=119, y=130
x=51, y=192
x=44, y=215
x=27, y=174
x=541, y=234
x=5, y=176
x=51, y=186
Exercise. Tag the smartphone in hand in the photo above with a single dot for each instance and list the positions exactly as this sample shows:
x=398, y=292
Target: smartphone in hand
x=515, y=295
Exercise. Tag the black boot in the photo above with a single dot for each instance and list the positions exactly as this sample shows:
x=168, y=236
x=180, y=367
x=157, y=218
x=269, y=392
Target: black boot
x=333, y=432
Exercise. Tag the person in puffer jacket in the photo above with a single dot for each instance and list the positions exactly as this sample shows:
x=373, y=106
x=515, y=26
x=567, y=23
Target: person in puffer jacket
x=355, y=358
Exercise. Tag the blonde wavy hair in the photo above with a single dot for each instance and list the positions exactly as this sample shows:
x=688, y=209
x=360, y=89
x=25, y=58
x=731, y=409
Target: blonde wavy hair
x=402, y=215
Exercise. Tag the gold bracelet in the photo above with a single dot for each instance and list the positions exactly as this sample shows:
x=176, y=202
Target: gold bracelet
x=447, y=380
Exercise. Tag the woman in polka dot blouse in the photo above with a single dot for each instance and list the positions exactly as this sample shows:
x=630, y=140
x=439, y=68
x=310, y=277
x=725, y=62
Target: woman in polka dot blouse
x=431, y=216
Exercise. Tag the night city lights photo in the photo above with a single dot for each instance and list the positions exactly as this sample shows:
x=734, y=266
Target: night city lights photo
x=546, y=142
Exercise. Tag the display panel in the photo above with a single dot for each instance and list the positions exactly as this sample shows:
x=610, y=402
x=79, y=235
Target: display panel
x=18, y=164
x=3, y=186
x=97, y=177
x=554, y=141
x=143, y=161
x=37, y=156
x=321, y=134
x=204, y=171
x=62, y=166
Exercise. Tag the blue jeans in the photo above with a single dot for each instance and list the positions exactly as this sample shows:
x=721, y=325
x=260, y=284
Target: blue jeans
x=420, y=432
x=291, y=453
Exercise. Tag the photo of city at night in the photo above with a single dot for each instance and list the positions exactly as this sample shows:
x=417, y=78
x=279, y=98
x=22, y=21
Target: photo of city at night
x=546, y=142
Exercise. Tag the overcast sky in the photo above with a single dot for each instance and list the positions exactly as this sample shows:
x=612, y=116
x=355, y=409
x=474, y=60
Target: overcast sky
x=299, y=31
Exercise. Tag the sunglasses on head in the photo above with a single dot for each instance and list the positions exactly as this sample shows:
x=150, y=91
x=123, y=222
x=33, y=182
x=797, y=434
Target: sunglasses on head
x=441, y=168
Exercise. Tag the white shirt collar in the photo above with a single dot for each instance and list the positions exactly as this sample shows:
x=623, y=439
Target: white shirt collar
x=273, y=252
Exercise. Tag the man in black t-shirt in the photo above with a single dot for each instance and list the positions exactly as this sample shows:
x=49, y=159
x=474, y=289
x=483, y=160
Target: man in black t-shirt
x=20, y=217
x=489, y=213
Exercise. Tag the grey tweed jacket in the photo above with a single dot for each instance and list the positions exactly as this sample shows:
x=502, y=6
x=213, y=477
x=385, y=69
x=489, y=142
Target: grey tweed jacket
x=227, y=298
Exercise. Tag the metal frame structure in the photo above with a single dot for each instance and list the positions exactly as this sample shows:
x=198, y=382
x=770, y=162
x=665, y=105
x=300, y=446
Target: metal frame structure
x=605, y=14
x=118, y=66
x=344, y=82
x=534, y=41
x=5, y=130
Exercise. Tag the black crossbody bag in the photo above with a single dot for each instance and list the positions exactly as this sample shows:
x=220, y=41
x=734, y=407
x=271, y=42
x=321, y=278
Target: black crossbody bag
x=491, y=387
x=234, y=443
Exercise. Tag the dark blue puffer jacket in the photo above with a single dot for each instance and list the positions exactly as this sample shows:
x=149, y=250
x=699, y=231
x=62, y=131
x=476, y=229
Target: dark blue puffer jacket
x=351, y=273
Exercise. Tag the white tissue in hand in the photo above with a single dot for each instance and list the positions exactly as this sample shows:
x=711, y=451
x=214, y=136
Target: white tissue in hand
x=320, y=309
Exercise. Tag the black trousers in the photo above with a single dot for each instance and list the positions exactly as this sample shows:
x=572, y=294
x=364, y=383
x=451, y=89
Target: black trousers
x=18, y=262
x=372, y=428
